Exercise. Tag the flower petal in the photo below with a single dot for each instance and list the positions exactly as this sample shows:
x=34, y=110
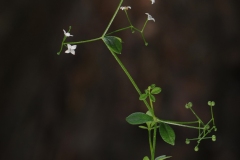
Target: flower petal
x=74, y=47
x=150, y=17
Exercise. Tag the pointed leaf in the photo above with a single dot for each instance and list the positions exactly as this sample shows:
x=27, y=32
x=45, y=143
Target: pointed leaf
x=142, y=127
x=153, y=86
x=152, y=98
x=143, y=96
x=162, y=157
x=138, y=118
x=156, y=90
x=167, y=133
x=113, y=43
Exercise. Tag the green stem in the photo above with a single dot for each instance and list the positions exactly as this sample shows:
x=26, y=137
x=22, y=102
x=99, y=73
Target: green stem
x=154, y=140
x=128, y=18
x=86, y=41
x=144, y=25
x=179, y=124
x=131, y=79
x=150, y=142
x=196, y=116
x=112, y=18
x=119, y=30
x=212, y=116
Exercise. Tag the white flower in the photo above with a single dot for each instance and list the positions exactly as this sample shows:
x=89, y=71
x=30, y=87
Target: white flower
x=67, y=34
x=125, y=7
x=71, y=49
x=150, y=17
x=153, y=1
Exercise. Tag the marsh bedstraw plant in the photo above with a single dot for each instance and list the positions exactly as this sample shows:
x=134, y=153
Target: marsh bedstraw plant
x=147, y=121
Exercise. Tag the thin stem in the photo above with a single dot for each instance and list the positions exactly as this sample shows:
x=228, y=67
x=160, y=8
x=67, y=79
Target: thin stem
x=178, y=124
x=196, y=116
x=119, y=30
x=154, y=140
x=144, y=25
x=131, y=79
x=212, y=116
x=64, y=38
x=113, y=17
x=150, y=142
x=128, y=18
x=86, y=41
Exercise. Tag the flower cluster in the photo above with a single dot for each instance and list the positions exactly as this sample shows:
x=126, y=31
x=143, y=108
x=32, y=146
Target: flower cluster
x=71, y=48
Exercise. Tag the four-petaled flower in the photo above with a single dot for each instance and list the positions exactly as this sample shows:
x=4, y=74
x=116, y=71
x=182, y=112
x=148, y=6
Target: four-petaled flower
x=71, y=49
x=150, y=17
x=153, y=1
x=125, y=7
x=67, y=34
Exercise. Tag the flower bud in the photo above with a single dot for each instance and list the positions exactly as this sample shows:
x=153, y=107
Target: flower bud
x=213, y=138
x=196, y=148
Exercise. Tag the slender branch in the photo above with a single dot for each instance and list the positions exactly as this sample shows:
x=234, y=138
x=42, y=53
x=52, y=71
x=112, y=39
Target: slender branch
x=178, y=124
x=119, y=30
x=85, y=41
x=104, y=33
x=131, y=79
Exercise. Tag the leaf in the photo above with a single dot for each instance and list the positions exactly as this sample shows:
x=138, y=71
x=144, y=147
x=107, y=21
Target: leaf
x=152, y=98
x=167, y=133
x=138, y=118
x=143, y=96
x=153, y=86
x=162, y=157
x=146, y=158
x=113, y=43
x=142, y=127
x=156, y=90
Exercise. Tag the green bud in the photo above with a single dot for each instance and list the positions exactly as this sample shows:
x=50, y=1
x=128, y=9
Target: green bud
x=188, y=105
x=207, y=127
x=187, y=141
x=214, y=138
x=211, y=103
x=196, y=148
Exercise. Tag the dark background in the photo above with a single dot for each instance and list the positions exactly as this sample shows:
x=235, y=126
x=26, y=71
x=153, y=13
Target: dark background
x=74, y=107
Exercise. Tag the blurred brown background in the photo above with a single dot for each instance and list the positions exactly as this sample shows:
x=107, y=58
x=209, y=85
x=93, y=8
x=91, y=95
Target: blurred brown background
x=74, y=107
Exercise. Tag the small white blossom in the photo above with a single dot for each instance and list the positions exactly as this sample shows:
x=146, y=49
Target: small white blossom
x=150, y=17
x=153, y=1
x=67, y=34
x=71, y=49
x=125, y=7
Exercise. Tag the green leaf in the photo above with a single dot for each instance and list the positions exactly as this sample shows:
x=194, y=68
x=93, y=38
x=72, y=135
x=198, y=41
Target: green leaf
x=146, y=158
x=167, y=133
x=162, y=157
x=152, y=98
x=113, y=43
x=156, y=90
x=143, y=96
x=138, y=118
x=153, y=86
x=142, y=127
